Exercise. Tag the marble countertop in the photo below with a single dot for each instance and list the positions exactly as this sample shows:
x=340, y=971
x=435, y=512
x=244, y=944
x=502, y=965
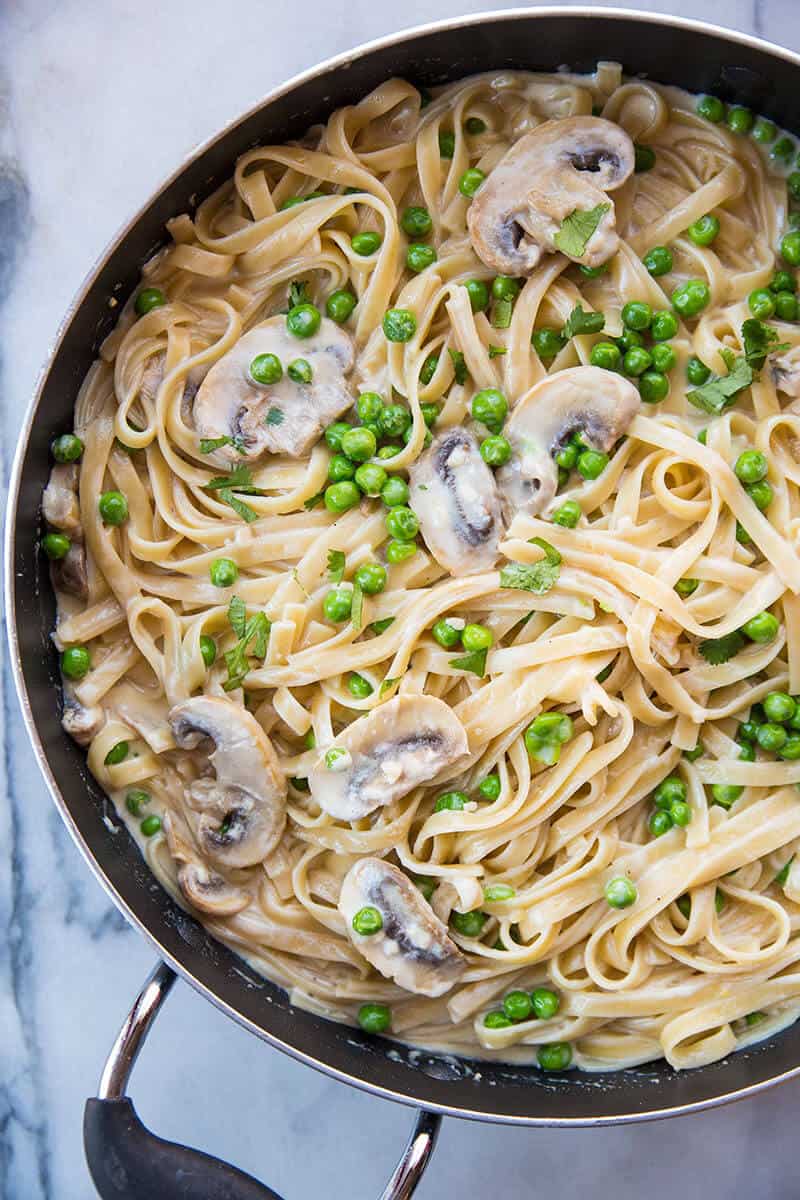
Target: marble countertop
x=98, y=101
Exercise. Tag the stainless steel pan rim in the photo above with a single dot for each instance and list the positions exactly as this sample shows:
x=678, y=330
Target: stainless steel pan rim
x=338, y=61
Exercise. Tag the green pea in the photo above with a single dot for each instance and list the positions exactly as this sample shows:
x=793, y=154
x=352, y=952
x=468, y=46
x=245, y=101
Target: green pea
x=369, y=407
x=761, y=303
x=702, y=437
x=517, y=1006
x=554, y=1056
x=416, y=221
x=680, y=812
x=339, y=305
x=117, y=754
x=266, y=368
x=670, y=789
x=545, y=736
x=567, y=456
x=742, y=536
x=402, y=523
x=386, y=452
x=113, y=508
x=428, y=369
x=469, y=924
x=337, y=604
x=447, y=144
x=135, y=800
x=371, y=479
x=637, y=361
x=478, y=294
x=711, y=108
x=697, y=372
x=686, y=587
x=790, y=749
x=568, y=514
x=605, y=355
x=365, y=244
x=334, y=434
x=592, y=463
x=426, y=885
x=621, y=892
x=495, y=450
x=394, y=492
x=629, y=340
x=400, y=552
x=704, y=230
x=474, y=126
x=783, y=281
x=56, y=546
x=303, y=320
x=490, y=787
x=764, y=131
x=740, y=120
x=359, y=444
x=476, y=637
x=547, y=342
x=367, y=921
x=691, y=297
x=66, y=448
x=208, y=649
x=399, y=324
x=725, y=794
x=790, y=248
x=694, y=754
x=663, y=327
x=659, y=822
x=760, y=493
x=419, y=257
x=637, y=315
x=783, y=149
x=150, y=825
x=340, y=467
x=341, y=496
x=358, y=686
x=644, y=159
x=299, y=371
x=779, y=707
x=489, y=406
x=470, y=181
x=786, y=306
x=546, y=1003
x=75, y=662
x=148, y=299
x=748, y=730
x=593, y=272
x=771, y=736
x=664, y=357
x=224, y=572
x=747, y=752
x=793, y=184
x=374, y=1018
x=497, y=1019
x=751, y=466
x=658, y=261
x=371, y=578
x=430, y=413
x=451, y=802
x=653, y=386
x=505, y=287
x=444, y=633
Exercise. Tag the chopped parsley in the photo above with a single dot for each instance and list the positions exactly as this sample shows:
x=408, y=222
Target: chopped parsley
x=336, y=565
x=533, y=577
x=759, y=340
x=209, y=445
x=717, y=651
x=274, y=416
x=239, y=480
x=577, y=229
x=387, y=685
x=496, y=351
x=252, y=634
x=474, y=662
x=313, y=501
x=381, y=626
x=459, y=365
x=720, y=392
x=357, y=607
x=582, y=322
x=298, y=292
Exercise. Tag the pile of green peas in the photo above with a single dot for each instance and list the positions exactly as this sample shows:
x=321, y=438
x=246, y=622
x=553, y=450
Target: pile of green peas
x=670, y=806
x=778, y=299
x=67, y=448
x=472, y=637
x=772, y=726
x=268, y=369
x=590, y=464
x=541, y=1004
x=751, y=469
x=489, y=407
x=629, y=353
x=137, y=799
x=456, y=801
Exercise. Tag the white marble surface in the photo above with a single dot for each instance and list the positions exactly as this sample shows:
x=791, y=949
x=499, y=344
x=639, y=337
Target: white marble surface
x=98, y=100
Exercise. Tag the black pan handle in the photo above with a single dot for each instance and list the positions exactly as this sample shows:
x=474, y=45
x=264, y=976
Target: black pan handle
x=128, y=1162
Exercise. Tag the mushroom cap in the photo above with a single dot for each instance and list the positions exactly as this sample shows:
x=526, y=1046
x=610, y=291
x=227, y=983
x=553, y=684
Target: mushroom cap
x=597, y=403
x=81, y=723
x=454, y=494
x=559, y=167
x=399, y=745
x=210, y=892
x=278, y=418
x=70, y=574
x=242, y=812
x=60, y=507
x=413, y=947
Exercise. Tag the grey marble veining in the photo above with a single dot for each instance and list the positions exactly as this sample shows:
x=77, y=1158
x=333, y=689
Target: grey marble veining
x=98, y=101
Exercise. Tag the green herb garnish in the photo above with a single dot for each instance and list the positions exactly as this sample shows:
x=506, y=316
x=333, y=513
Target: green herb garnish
x=577, y=229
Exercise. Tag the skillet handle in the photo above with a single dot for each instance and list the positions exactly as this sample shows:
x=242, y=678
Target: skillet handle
x=128, y=1162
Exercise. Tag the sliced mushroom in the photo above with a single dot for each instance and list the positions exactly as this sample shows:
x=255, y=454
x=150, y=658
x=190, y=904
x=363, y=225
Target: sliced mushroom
x=242, y=811
x=204, y=889
x=81, y=723
x=280, y=418
x=413, y=947
x=589, y=400
x=562, y=167
x=786, y=374
x=454, y=494
x=399, y=745
x=153, y=375
x=69, y=573
x=60, y=506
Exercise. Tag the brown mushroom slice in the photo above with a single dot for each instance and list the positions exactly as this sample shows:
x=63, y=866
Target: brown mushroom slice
x=283, y=417
x=412, y=947
x=81, y=723
x=69, y=574
x=598, y=404
x=786, y=375
x=209, y=892
x=242, y=812
x=399, y=745
x=561, y=167
x=60, y=507
x=454, y=494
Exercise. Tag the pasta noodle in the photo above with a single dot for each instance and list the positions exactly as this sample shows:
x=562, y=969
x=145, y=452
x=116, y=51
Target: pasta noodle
x=645, y=894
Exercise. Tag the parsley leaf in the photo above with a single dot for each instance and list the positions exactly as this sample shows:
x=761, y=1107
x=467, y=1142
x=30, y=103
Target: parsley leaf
x=577, y=229
x=459, y=365
x=239, y=507
x=275, y=416
x=783, y=874
x=533, y=577
x=717, y=651
x=474, y=662
x=583, y=322
x=759, y=341
x=253, y=635
x=336, y=564
x=209, y=445
x=357, y=607
x=298, y=292
x=239, y=480
x=237, y=615
x=719, y=393
x=313, y=501
x=381, y=626
x=496, y=351
x=386, y=686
